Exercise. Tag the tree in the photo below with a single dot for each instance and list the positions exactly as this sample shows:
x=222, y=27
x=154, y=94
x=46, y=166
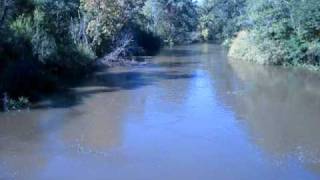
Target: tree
x=284, y=32
x=221, y=19
x=107, y=17
x=173, y=20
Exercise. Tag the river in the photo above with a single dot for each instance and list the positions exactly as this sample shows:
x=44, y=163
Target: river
x=190, y=113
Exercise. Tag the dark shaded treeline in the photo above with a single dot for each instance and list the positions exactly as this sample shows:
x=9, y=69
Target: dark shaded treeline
x=46, y=42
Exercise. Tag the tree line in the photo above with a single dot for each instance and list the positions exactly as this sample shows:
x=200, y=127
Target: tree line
x=42, y=40
x=281, y=32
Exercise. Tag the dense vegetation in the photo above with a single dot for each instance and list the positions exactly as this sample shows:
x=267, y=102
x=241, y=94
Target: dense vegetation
x=175, y=21
x=220, y=19
x=282, y=32
x=42, y=40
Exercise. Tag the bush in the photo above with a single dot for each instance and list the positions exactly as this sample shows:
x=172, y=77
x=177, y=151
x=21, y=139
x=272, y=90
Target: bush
x=245, y=47
x=242, y=47
x=221, y=19
x=20, y=103
x=280, y=32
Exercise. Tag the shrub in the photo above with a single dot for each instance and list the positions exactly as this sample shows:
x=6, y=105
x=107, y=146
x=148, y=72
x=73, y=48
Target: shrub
x=20, y=103
x=243, y=48
x=246, y=47
x=280, y=32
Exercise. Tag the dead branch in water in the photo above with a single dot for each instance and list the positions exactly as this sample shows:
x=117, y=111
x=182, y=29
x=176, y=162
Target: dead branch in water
x=124, y=53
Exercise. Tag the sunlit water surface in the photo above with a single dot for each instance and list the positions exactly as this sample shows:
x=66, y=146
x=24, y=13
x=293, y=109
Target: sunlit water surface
x=189, y=114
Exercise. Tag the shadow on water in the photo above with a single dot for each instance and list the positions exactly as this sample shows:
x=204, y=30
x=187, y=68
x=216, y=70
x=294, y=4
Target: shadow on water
x=176, y=52
x=71, y=110
x=107, y=82
x=85, y=99
x=175, y=64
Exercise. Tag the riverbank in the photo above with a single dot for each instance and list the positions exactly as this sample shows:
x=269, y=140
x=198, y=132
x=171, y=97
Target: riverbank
x=180, y=109
x=29, y=78
x=266, y=32
x=20, y=89
x=246, y=47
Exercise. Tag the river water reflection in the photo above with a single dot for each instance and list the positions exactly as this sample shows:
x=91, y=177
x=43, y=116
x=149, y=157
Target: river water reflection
x=188, y=114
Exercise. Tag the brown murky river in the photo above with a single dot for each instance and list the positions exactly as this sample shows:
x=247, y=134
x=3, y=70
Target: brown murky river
x=190, y=114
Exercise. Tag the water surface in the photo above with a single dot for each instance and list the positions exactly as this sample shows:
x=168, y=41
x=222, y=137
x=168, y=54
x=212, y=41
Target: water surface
x=189, y=114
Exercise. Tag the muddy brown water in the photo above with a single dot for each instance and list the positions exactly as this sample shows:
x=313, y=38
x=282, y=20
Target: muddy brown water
x=190, y=114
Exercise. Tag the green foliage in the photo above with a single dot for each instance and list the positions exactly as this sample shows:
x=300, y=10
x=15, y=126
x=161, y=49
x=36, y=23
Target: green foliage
x=105, y=18
x=220, y=19
x=45, y=27
x=20, y=103
x=65, y=36
x=172, y=20
x=244, y=47
x=284, y=32
x=70, y=34
x=22, y=26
